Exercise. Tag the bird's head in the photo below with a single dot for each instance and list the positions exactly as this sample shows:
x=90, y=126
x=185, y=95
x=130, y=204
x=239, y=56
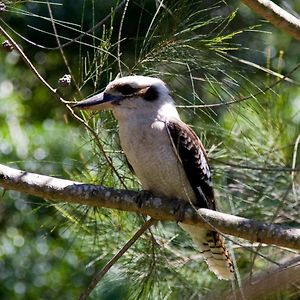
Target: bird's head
x=130, y=95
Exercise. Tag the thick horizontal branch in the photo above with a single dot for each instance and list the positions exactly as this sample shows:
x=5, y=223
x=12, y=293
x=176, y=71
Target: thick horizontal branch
x=279, y=17
x=61, y=190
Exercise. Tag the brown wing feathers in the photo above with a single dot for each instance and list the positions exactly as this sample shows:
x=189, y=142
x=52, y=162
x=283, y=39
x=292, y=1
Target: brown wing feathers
x=192, y=155
x=194, y=161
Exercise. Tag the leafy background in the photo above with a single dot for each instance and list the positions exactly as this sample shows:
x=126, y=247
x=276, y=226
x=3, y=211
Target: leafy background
x=224, y=66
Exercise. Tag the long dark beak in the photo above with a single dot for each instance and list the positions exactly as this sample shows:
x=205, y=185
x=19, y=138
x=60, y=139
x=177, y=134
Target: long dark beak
x=100, y=101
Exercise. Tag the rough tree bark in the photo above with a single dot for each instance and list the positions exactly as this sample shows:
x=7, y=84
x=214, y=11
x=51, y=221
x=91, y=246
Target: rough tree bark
x=61, y=190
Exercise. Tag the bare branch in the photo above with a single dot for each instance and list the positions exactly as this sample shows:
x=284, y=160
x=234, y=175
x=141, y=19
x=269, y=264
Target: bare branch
x=279, y=17
x=61, y=190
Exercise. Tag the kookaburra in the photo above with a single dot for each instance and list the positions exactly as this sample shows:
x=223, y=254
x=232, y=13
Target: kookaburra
x=166, y=155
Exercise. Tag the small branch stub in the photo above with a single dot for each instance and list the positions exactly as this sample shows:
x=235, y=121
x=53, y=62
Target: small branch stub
x=2, y=7
x=7, y=46
x=65, y=80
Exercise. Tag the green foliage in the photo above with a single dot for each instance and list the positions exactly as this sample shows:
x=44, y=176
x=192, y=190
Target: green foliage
x=211, y=58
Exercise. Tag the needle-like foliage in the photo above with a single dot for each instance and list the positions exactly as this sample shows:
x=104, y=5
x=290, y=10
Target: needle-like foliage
x=241, y=108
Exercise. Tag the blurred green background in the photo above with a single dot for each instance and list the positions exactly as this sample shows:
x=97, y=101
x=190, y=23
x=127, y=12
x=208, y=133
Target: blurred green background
x=208, y=52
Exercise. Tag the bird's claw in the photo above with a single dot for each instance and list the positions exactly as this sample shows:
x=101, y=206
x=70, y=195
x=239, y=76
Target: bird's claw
x=141, y=196
x=180, y=211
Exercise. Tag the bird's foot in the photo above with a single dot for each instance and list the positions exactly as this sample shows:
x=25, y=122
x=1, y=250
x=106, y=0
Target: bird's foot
x=141, y=196
x=180, y=211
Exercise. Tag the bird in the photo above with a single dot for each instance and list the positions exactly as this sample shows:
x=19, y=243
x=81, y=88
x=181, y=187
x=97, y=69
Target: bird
x=165, y=154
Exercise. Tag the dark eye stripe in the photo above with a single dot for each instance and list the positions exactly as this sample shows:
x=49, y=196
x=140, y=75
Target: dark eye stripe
x=126, y=89
x=151, y=94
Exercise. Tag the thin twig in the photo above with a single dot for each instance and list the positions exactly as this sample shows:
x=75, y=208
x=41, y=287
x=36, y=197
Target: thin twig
x=270, y=169
x=99, y=145
x=98, y=276
x=293, y=168
x=30, y=65
x=61, y=49
x=120, y=36
x=85, y=33
x=56, y=94
x=244, y=98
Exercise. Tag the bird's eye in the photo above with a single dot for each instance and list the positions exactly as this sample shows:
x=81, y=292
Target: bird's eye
x=126, y=89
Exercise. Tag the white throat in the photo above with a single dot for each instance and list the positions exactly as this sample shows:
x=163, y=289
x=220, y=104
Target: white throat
x=167, y=112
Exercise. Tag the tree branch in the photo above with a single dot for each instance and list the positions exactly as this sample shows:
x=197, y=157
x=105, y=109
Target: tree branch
x=266, y=284
x=61, y=190
x=279, y=17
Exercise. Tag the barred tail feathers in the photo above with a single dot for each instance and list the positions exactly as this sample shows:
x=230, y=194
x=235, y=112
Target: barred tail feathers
x=213, y=250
